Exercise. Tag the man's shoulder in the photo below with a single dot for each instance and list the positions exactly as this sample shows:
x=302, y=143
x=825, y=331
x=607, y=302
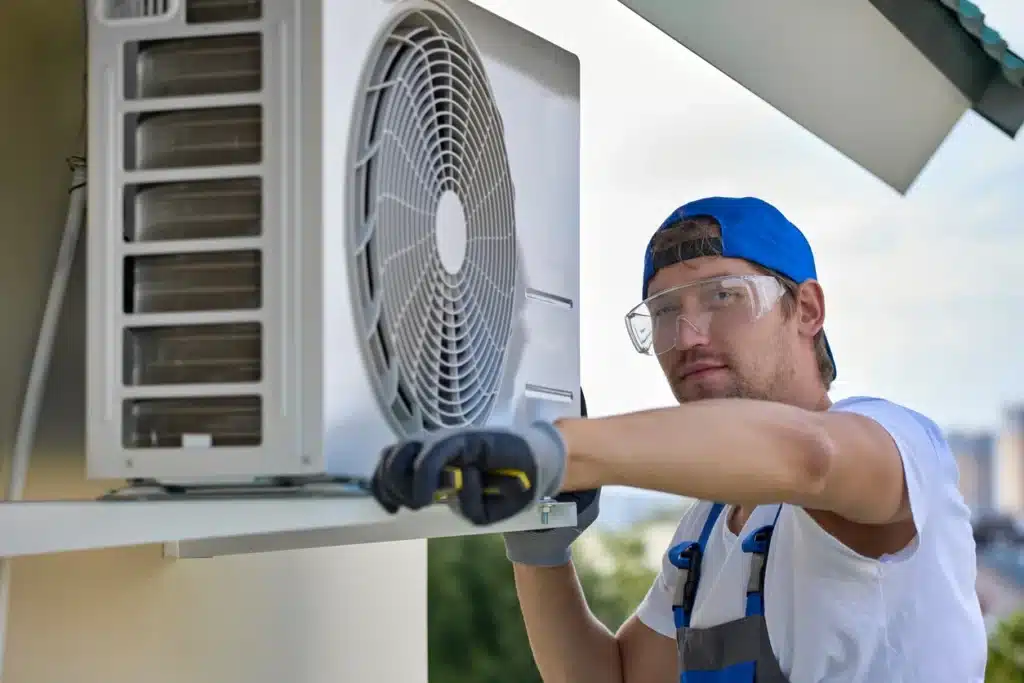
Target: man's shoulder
x=913, y=431
x=930, y=468
x=875, y=406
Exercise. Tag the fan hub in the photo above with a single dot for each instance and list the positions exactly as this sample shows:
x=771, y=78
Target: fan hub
x=450, y=231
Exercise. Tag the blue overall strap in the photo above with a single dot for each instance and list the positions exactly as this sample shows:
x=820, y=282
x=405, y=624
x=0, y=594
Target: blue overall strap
x=687, y=558
x=757, y=543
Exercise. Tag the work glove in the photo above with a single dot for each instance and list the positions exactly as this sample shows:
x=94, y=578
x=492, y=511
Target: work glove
x=486, y=475
x=552, y=547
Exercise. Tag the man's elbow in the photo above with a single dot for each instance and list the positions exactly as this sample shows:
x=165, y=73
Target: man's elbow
x=812, y=461
x=850, y=466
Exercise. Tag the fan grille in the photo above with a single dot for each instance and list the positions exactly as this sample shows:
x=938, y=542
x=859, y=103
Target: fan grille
x=433, y=233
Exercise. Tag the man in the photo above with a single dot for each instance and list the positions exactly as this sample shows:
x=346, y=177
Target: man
x=831, y=543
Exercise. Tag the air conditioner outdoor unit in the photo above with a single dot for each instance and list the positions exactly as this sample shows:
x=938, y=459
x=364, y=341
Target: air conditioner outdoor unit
x=316, y=226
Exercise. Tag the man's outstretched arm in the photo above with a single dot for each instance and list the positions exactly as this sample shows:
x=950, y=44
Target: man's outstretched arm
x=745, y=452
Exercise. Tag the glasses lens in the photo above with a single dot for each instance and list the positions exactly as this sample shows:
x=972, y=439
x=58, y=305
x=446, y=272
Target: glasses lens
x=700, y=308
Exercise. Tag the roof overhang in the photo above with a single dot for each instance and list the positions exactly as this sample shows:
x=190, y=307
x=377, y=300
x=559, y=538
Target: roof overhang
x=881, y=81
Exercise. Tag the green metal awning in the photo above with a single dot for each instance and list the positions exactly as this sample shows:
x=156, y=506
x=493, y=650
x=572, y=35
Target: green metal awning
x=884, y=82
x=955, y=37
x=973, y=20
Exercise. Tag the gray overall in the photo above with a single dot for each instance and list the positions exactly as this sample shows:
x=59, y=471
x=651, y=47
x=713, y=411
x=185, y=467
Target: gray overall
x=734, y=652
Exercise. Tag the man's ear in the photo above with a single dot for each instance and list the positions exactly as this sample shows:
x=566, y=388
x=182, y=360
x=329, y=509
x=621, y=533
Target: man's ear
x=810, y=311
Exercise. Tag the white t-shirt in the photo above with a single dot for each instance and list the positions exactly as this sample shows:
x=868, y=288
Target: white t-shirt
x=835, y=616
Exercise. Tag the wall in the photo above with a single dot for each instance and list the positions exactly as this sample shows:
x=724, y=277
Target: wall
x=118, y=616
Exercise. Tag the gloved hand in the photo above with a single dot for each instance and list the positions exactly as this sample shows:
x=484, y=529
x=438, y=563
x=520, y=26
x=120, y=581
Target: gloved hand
x=552, y=547
x=489, y=474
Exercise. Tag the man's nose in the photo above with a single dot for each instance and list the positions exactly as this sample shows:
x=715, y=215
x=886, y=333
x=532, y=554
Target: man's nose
x=690, y=333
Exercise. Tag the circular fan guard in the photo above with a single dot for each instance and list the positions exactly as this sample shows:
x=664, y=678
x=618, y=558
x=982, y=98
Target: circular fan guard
x=432, y=228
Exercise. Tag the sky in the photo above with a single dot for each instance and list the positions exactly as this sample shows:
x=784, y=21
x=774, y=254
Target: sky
x=923, y=302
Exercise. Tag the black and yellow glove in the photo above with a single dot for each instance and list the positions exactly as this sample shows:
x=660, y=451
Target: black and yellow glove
x=488, y=475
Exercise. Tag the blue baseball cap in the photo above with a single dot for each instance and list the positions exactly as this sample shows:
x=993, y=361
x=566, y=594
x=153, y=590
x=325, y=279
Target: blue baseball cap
x=752, y=230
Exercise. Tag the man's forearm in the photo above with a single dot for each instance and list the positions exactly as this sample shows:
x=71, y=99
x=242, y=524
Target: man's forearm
x=732, y=450
x=569, y=644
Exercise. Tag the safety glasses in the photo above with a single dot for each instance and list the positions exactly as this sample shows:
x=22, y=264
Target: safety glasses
x=702, y=308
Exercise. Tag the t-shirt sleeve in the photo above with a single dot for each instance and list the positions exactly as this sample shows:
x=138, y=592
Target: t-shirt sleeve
x=928, y=465
x=655, y=610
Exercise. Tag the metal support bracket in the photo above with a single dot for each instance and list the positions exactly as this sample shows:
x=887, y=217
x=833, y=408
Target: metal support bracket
x=206, y=528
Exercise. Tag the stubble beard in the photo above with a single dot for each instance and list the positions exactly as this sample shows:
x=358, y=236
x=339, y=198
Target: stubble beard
x=739, y=387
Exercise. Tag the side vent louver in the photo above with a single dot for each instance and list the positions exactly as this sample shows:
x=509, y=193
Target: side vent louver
x=192, y=272
x=196, y=11
x=137, y=9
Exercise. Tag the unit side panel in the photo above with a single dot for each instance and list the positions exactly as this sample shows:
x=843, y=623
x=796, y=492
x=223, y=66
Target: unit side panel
x=103, y=423
x=537, y=84
x=304, y=98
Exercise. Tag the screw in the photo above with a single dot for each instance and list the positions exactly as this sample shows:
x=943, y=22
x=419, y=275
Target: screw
x=306, y=460
x=544, y=510
x=129, y=463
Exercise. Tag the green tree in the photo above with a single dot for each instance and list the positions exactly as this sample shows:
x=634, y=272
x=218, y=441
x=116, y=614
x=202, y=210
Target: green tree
x=614, y=594
x=1006, y=652
x=475, y=629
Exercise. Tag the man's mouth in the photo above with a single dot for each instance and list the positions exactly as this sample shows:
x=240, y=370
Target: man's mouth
x=699, y=370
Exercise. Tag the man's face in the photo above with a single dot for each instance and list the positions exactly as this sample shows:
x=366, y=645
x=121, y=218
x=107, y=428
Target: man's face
x=748, y=359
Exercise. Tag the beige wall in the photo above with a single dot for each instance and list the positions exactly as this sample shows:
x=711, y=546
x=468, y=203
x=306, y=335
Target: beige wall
x=337, y=614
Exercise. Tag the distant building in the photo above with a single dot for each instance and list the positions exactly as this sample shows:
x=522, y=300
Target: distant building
x=1000, y=549
x=975, y=454
x=1009, y=456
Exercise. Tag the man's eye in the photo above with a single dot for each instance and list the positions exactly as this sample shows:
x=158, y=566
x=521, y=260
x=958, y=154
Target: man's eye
x=726, y=295
x=670, y=311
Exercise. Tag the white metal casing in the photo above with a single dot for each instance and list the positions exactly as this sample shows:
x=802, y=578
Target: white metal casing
x=320, y=413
